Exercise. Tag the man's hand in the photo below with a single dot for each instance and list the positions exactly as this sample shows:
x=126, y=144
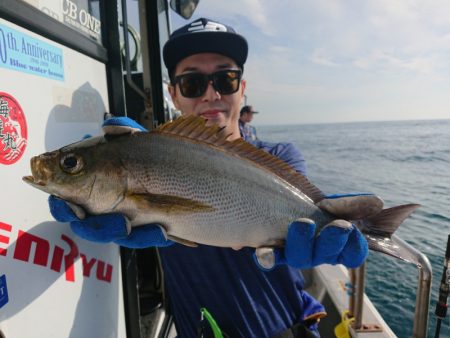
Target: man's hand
x=339, y=242
x=108, y=228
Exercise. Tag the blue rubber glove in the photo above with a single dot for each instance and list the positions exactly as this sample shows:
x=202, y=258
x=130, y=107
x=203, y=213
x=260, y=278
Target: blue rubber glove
x=339, y=242
x=110, y=227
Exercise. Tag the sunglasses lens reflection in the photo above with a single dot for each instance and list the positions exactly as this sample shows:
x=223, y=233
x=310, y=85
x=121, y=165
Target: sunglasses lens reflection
x=195, y=84
x=227, y=83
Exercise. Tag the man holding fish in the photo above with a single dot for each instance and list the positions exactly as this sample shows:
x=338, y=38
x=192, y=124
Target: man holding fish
x=249, y=292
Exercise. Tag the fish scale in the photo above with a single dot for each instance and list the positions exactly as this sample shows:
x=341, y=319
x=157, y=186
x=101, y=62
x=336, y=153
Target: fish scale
x=239, y=193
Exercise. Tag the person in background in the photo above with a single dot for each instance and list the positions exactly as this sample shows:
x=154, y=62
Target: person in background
x=206, y=60
x=248, y=132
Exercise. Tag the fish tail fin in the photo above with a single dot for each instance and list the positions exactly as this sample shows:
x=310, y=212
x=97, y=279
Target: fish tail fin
x=379, y=228
x=387, y=221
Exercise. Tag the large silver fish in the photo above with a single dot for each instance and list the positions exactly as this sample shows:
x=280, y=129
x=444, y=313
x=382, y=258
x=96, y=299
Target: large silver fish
x=202, y=188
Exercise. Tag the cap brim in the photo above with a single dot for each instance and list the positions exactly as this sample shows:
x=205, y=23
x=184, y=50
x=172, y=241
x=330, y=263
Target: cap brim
x=229, y=44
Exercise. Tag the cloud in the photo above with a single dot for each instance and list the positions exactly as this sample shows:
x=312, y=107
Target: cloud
x=371, y=35
x=259, y=16
x=384, y=62
x=254, y=12
x=321, y=57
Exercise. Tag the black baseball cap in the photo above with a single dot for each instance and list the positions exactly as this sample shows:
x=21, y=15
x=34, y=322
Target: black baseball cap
x=248, y=109
x=204, y=36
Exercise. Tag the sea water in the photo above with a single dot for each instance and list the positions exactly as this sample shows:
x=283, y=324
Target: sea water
x=402, y=162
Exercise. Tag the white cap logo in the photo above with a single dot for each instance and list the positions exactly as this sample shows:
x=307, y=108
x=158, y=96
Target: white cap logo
x=209, y=27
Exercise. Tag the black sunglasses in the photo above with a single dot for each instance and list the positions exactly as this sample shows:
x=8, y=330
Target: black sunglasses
x=194, y=85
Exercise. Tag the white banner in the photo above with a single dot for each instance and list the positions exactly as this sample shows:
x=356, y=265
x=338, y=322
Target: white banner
x=52, y=283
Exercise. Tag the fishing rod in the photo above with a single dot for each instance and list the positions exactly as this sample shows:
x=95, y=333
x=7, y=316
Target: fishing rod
x=441, y=305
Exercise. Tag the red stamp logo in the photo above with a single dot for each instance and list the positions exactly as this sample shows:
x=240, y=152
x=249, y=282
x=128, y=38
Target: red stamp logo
x=13, y=130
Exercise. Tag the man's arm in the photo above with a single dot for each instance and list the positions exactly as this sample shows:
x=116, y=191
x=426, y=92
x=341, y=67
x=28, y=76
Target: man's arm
x=286, y=152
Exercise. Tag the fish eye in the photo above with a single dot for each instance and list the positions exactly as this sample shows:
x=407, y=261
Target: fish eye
x=71, y=163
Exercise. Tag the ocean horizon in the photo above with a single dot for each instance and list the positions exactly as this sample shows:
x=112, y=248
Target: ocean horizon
x=269, y=125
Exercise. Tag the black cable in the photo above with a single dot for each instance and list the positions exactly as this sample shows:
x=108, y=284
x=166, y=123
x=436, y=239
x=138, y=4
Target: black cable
x=441, y=305
x=438, y=328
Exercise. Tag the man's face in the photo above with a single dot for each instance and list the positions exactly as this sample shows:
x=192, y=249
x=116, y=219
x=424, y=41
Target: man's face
x=216, y=108
x=247, y=117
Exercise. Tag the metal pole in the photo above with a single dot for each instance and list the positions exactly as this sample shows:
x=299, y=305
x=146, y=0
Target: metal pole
x=127, y=53
x=423, y=288
x=351, y=293
x=359, y=301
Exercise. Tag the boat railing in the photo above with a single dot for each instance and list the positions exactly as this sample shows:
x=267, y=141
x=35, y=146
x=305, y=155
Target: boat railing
x=422, y=294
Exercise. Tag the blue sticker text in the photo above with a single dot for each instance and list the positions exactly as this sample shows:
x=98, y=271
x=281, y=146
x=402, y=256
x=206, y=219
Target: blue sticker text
x=23, y=53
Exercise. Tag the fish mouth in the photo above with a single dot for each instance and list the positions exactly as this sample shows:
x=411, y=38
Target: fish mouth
x=38, y=183
x=41, y=172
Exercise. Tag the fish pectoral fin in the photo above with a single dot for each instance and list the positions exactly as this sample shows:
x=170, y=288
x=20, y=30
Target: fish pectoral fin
x=169, y=203
x=182, y=241
x=77, y=210
x=352, y=207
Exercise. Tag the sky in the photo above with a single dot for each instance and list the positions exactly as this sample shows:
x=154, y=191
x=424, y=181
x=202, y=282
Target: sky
x=326, y=61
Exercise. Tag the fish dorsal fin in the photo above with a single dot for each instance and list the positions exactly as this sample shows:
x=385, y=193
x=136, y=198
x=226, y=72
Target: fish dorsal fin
x=194, y=128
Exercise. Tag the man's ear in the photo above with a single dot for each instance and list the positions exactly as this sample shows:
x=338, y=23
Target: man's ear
x=173, y=95
x=243, y=85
